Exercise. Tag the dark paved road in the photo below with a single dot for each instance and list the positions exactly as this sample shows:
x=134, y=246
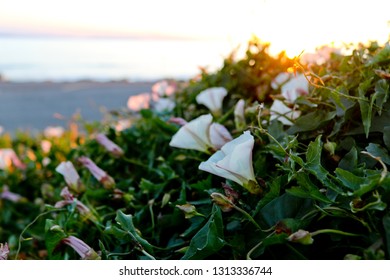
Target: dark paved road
x=32, y=106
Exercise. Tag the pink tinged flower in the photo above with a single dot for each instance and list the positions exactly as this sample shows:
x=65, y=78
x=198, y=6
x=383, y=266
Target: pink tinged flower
x=84, y=251
x=320, y=56
x=69, y=199
x=194, y=135
x=110, y=146
x=219, y=135
x=239, y=115
x=164, y=88
x=46, y=146
x=178, y=121
x=234, y=162
x=9, y=158
x=53, y=131
x=4, y=251
x=46, y=161
x=139, y=101
x=212, y=98
x=97, y=172
x=6, y=194
x=279, y=111
x=122, y=124
x=70, y=174
x=295, y=87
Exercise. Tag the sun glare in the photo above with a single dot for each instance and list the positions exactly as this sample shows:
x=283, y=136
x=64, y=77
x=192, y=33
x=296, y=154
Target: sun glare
x=303, y=25
x=293, y=26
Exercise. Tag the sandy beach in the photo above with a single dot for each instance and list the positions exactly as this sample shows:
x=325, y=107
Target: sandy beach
x=33, y=106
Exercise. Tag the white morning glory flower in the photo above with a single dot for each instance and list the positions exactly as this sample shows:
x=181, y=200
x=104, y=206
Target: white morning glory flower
x=212, y=98
x=194, y=135
x=70, y=174
x=239, y=115
x=201, y=134
x=234, y=162
x=291, y=90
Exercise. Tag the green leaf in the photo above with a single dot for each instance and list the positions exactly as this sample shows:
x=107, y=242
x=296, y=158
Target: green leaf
x=350, y=160
x=378, y=151
x=357, y=184
x=285, y=206
x=307, y=189
x=126, y=223
x=209, y=239
x=386, y=226
x=350, y=180
x=381, y=94
x=53, y=236
x=386, y=136
x=313, y=165
x=365, y=105
x=311, y=121
x=274, y=192
x=149, y=187
x=382, y=56
x=372, y=182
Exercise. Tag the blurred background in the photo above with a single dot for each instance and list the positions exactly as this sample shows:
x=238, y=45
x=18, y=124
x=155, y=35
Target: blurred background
x=125, y=43
x=137, y=40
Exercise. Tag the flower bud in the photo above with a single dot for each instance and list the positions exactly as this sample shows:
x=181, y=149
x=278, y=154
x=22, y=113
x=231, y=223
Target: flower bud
x=301, y=236
x=4, y=251
x=85, y=252
x=222, y=201
x=189, y=210
x=110, y=146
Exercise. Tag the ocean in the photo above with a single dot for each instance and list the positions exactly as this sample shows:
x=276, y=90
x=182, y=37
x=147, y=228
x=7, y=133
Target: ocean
x=26, y=59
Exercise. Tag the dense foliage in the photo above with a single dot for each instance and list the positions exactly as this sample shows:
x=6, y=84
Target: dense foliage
x=320, y=190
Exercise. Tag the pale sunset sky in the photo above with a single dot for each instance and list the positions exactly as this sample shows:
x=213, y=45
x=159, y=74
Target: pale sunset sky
x=291, y=25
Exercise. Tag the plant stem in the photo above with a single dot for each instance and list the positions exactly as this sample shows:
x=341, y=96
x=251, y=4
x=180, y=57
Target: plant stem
x=333, y=231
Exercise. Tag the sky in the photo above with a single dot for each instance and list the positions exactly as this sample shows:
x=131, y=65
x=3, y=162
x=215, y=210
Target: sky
x=293, y=25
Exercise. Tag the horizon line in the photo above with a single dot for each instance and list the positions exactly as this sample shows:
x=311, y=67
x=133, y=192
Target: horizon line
x=146, y=36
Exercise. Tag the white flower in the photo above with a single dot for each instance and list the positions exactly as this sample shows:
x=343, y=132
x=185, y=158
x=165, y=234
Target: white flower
x=53, y=131
x=212, y=98
x=70, y=174
x=201, y=134
x=194, y=135
x=291, y=90
x=164, y=105
x=284, y=114
x=234, y=162
x=295, y=87
x=239, y=114
x=139, y=101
